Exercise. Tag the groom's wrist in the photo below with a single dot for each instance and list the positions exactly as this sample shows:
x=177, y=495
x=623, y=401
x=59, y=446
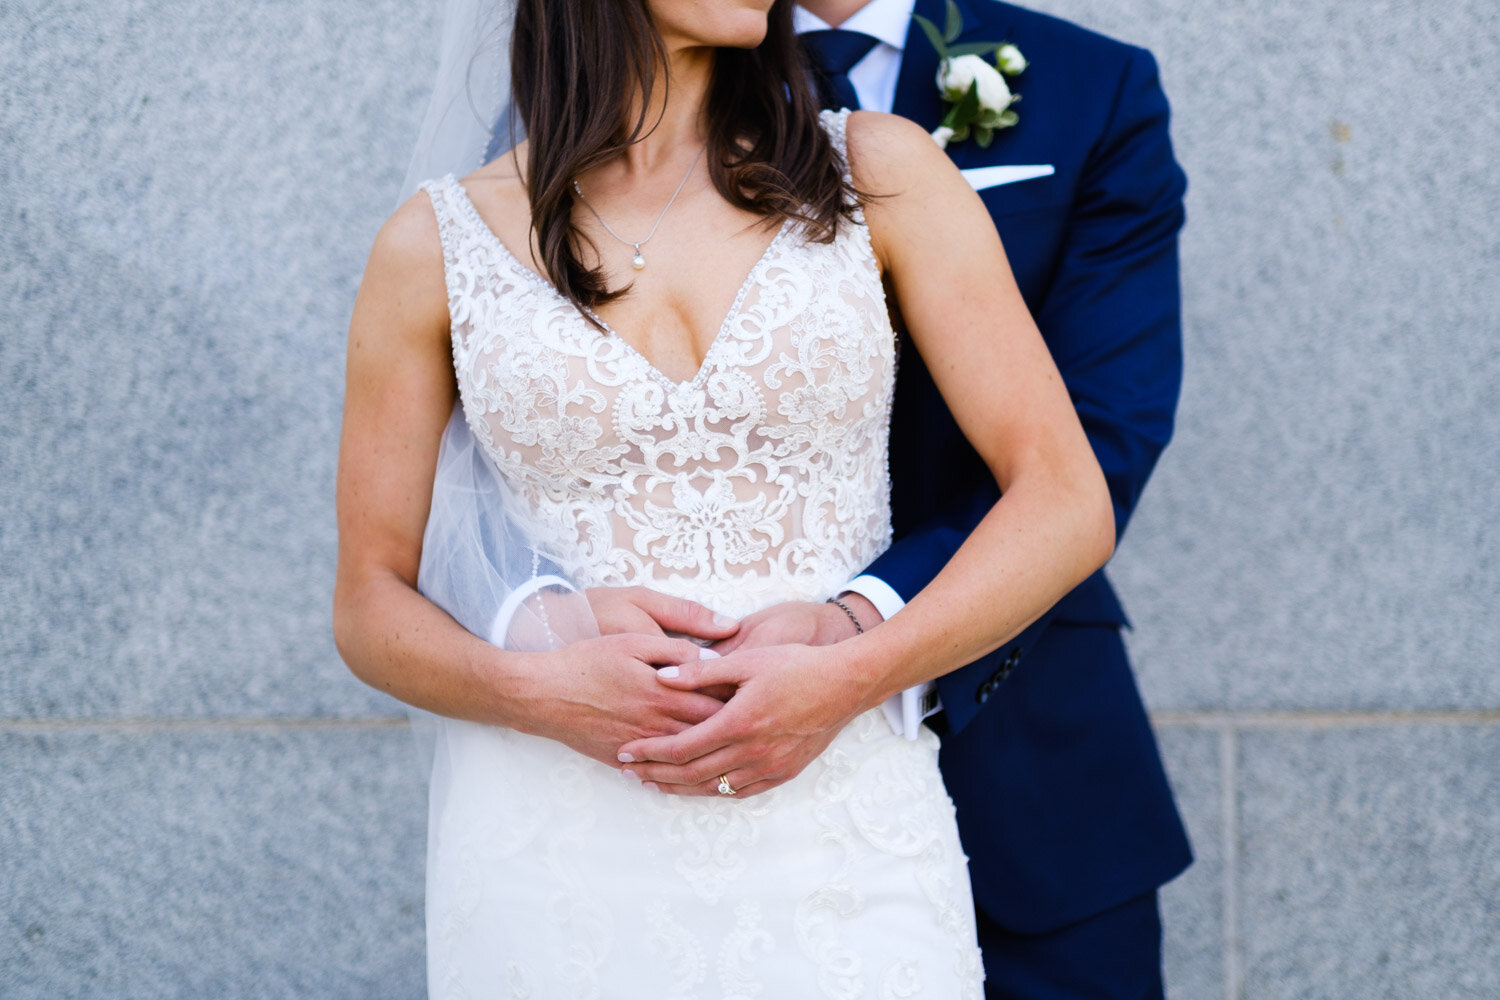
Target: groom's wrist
x=883, y=599
x=856, y=614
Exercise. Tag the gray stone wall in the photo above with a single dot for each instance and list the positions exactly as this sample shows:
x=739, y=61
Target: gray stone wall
x=1314, y=572
x=197, y=799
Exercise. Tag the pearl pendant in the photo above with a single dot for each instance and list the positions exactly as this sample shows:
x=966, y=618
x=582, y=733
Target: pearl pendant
x=638, y=261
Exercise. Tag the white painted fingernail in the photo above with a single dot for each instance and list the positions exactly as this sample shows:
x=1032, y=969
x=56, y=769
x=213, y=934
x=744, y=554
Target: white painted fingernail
x=651, y=785
x=669, y=672
x=707, y=654
x=625, y=758
x=631, y=774
x=724, y=621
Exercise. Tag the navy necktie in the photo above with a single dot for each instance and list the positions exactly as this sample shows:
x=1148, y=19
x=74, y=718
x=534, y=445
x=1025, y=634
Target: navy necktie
x=833, y=54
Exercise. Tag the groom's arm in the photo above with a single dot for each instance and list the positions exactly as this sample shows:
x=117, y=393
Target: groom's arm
x=1112, y=319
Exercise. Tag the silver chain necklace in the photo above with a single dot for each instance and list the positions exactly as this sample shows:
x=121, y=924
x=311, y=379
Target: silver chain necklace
x=639, y=261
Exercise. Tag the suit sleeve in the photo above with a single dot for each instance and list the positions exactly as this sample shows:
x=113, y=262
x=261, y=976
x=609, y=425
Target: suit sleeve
x=1111, y=316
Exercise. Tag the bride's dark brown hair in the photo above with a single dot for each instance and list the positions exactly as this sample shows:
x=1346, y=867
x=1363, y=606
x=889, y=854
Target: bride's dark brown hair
x=574, y=65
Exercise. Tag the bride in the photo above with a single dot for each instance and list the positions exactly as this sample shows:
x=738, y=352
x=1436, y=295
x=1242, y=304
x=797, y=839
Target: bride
x=667, y=322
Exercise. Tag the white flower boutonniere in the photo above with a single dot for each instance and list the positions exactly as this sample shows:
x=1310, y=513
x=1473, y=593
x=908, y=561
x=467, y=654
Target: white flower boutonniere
x=979, y=99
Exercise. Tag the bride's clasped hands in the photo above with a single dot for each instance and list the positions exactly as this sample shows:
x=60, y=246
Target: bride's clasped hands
x=781, y=692
x=595, y=695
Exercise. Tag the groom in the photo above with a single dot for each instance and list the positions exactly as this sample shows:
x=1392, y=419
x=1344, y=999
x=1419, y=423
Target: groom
x=1047, y=752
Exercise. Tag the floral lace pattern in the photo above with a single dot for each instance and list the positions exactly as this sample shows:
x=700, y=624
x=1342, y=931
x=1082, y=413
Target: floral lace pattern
x=761, y=479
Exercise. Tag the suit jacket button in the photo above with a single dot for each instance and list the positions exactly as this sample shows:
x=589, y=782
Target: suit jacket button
x=985, y=690
x=1012, y=659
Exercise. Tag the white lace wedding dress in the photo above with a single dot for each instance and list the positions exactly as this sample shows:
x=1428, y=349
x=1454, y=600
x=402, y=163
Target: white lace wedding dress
x=762, y=479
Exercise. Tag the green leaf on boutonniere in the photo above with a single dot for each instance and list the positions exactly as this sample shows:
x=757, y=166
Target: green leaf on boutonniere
x=933, y=35
x=941, y=39
x=1003, y=118
x=955, y=23
x=984, y=135
x=964, y=113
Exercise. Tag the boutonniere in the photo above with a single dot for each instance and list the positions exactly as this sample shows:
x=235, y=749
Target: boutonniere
x=979, y=100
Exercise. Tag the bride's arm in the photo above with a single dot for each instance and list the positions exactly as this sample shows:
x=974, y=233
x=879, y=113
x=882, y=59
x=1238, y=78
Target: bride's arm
x=1054, y=524
x=399, y=394
x=1052, y=527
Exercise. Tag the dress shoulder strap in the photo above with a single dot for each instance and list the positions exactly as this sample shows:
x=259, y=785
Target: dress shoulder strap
x=466, y=262
x=836, y=124
x=448, y=205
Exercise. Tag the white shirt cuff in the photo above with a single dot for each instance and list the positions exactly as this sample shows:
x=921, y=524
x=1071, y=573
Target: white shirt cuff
x=877, y=592
x=904, y=711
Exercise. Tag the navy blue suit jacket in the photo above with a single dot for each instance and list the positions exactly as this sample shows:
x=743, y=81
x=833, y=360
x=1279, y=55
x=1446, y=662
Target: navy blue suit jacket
x=1062, y=801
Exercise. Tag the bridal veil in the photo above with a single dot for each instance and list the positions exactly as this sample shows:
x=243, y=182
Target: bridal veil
x=482, y=560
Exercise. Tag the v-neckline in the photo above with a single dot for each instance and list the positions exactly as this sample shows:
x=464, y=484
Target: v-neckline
x=708, y=356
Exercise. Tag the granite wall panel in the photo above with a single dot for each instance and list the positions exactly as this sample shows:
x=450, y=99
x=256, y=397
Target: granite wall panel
x=1321, y=532
x=1192, y=906
x=1370, y=865
x=187, y=196
x=211, y=861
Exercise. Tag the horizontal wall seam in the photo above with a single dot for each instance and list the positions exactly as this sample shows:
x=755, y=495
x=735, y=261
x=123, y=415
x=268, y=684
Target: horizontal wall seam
x=1322, y=719
x=1186, y=720
x=65, y=725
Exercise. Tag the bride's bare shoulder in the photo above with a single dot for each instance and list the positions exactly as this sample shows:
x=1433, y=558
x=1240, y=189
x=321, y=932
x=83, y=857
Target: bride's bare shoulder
x=888, y=153
x=411, y=232
x=408, y=250
x=409, y=241
x=403, y=294
x=915, y=186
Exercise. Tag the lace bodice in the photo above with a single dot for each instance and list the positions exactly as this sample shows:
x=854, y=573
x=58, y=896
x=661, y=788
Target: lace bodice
x=761, y=479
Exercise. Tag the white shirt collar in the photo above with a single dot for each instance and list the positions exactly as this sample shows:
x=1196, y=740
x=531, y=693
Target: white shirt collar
x=886, y=20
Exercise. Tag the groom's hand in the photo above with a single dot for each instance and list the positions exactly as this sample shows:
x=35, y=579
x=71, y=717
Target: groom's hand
x=788, y=705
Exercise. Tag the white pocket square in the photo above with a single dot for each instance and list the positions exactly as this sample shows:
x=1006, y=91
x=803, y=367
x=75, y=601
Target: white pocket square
x=980, y=178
